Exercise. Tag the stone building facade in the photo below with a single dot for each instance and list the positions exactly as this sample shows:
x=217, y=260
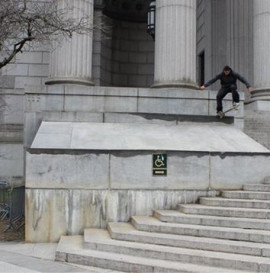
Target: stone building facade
x=95, y=77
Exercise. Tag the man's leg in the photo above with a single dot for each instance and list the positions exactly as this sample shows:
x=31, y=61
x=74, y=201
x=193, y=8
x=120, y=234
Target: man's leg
x=235, y=94
x=220, y=95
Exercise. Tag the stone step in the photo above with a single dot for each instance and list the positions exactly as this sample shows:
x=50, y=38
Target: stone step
x=240, y=203
x=257, y=187
x=100, y=240
x=151, y=224
x=225, y=211
x=246, y=195
x=70, y=249
x=127, y=232
x=174, y=216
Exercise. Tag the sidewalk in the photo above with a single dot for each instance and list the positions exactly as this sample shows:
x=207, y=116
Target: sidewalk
x=20, y=257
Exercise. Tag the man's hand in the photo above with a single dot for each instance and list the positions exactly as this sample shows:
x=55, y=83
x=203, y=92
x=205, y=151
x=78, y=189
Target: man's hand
x=250, y=89
x=202, y=87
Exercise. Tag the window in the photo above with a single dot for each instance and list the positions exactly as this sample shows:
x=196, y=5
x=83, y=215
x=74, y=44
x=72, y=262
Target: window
x=201, y=68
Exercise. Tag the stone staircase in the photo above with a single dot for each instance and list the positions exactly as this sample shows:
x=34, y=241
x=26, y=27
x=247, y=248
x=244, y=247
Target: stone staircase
x=230, y=233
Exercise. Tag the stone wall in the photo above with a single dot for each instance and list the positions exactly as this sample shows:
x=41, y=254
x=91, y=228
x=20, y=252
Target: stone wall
x=67, y=212
x=127, y=56
x=29, y=68
x=257, y=125
x=68, y=189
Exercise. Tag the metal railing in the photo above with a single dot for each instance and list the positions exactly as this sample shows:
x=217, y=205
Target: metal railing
x=12, y=205
x=4, y=206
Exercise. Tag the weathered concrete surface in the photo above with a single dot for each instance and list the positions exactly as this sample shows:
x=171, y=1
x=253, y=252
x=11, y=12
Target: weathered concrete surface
x=79, y=103
x=51, y=213
x=119, y=156
x=11, y=164
x=199, y=137
x=85, y=174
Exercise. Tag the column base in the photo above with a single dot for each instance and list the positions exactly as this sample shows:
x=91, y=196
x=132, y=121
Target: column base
x=69, y=81
x=260, y=94
x=174, y=84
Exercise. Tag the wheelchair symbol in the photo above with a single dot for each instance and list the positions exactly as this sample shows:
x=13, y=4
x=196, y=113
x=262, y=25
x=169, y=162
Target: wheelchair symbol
x=159, y=162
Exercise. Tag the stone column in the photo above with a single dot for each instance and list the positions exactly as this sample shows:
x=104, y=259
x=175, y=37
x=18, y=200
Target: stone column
x=175, y=44
x=261, y=50
x=233, y=45
x=71, y=61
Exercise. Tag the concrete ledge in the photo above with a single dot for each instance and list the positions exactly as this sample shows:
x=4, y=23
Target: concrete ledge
x=99, y=104
x=119, y=156
x=133, y=170
x=190, y=136
x=115, y=99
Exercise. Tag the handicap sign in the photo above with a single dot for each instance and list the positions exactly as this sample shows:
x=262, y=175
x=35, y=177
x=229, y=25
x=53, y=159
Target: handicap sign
x=159, y=164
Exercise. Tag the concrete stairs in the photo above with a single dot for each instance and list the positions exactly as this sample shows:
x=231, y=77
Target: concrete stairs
x=230, y=233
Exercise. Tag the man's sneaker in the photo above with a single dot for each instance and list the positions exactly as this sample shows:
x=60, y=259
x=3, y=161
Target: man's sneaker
x=220, y=114
x=236, y=105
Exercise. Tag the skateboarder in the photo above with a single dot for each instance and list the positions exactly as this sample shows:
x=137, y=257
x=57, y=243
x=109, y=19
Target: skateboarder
x=228, y=80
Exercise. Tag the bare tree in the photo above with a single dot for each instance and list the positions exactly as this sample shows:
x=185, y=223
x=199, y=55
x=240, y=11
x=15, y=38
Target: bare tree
x=25, y=22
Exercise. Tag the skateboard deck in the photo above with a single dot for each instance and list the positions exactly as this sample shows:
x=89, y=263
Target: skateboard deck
x=222, y=114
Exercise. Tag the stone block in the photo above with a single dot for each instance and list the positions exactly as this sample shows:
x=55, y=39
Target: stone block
x=146, y=46
x=128, y=69
x=67, y=171
x=137, y=80
x=84, y=103
x=20, y=82
x=11, y=163
x=231, y=171
x=40, y=102
x=38, y=70
x=11, y=108
x=7, y=82
x=173, y=106
x=45, y=57
x=46, y=215
x=16, y=69
x=120, y=79
x=145, y=69
x=29, y=57
x=134, y=171
x=139, y=58
x=120, y=104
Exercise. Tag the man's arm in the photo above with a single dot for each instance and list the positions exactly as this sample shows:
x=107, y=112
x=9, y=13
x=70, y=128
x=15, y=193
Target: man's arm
x=243, y=80
x=217, y=77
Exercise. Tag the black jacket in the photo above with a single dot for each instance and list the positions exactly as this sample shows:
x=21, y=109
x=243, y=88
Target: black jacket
x=227, y=81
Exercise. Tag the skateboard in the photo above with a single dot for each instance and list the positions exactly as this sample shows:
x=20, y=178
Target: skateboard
x=222, y=114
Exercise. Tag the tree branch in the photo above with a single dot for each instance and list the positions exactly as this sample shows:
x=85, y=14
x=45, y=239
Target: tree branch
x=16, y=49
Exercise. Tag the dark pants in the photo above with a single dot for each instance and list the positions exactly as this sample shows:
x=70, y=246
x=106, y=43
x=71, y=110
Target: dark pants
x=223, y=91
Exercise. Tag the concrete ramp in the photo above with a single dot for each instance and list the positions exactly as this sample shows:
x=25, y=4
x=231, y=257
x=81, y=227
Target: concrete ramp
x=199, y=137
x=120, y=155
x=86, y=174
